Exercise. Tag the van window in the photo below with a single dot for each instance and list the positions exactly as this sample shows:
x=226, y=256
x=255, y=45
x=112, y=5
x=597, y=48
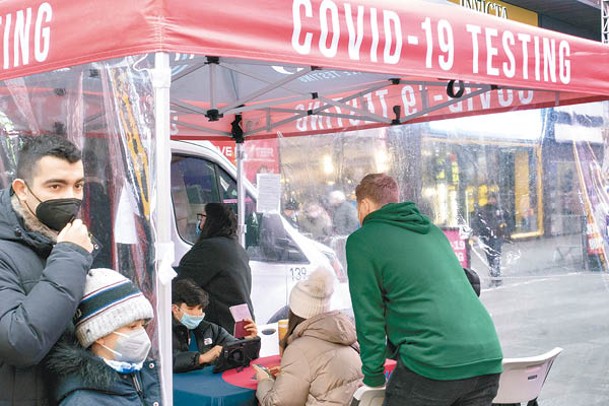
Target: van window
x=193, y=183
x=197, y=181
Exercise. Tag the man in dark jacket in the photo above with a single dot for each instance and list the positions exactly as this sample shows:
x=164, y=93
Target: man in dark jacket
x=44, y=257
x=196, y=343
x=408, y=289
x=490, y=226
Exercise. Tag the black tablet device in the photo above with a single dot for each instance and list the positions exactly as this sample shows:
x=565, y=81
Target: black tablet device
x=238, y=354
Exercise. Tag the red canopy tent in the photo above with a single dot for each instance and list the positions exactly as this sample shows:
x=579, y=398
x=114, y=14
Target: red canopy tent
x=294, y=60
x=258, y=68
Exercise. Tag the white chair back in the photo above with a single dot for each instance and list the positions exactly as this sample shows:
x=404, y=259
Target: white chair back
x=523, y=378
x=366, y=396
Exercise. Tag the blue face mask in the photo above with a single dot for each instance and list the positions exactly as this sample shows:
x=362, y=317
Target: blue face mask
x=198, y=229
x=191, y=322
x=123, y=367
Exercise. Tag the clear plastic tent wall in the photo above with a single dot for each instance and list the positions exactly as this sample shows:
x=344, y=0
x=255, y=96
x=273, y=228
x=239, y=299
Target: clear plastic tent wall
x=409, y=56
x=106, y=109
x=547, y=168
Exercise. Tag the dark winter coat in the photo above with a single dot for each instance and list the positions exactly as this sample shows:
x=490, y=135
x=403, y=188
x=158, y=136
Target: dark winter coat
x=220, y=266
x=344, y=219
x=82, y=378
x=41, y=285
x=208, y=335
x=489, y=222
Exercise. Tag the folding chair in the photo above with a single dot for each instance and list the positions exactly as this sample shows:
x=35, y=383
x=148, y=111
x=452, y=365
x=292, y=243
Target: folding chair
x=366, y=396
x=523, y=378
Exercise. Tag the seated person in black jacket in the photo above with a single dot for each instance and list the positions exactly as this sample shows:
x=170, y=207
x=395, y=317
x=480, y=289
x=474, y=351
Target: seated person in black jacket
x=188, y=307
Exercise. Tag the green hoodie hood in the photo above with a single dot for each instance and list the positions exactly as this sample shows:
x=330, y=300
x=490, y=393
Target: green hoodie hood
x=405, y=215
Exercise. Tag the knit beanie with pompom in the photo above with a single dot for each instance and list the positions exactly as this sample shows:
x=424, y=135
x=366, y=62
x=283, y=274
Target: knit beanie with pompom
x=312, y=296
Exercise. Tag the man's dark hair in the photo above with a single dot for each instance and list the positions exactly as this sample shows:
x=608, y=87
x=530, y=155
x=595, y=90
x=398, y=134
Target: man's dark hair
x=36, y=148
x=187, y=291
x=220, y=221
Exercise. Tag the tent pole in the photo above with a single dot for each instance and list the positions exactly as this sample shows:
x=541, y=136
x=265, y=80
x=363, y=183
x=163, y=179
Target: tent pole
x=605, y=21
x=240, y=150
x=237, y=135
x=164, y=249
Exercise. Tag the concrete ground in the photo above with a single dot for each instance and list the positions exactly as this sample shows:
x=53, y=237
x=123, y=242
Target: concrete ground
x=547, y=299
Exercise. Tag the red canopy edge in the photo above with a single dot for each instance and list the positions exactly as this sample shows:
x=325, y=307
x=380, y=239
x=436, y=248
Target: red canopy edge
x=403, y=38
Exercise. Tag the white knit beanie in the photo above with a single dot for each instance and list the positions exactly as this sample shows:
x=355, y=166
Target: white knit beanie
x=312, y=296
x=110, y=302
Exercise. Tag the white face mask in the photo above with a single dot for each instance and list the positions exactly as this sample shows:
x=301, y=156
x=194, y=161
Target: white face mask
x=132, y=348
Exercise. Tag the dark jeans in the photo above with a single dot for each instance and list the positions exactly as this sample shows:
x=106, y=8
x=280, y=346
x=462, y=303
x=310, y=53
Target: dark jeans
x=407, y=388
x=492, y=249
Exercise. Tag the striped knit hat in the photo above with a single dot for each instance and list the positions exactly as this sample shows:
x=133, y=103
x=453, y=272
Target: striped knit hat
x=110, y=302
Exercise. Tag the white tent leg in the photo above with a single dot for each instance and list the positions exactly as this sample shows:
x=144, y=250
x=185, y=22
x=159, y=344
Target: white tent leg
x=605, y=21
x=240, y=151
x=164, y=249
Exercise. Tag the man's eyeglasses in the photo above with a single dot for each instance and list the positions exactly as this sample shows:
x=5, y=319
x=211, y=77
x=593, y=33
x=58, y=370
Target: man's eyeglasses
x=200, y=216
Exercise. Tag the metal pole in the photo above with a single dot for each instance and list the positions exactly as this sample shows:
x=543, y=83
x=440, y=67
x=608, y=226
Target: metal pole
x=240, y=150
x=605, y=21
x=164, y=249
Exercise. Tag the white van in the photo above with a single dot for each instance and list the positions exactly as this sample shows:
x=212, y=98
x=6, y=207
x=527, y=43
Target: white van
x=279, y=255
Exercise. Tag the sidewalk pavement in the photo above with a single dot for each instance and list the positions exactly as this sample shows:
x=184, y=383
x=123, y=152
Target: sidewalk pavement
x=534, y=257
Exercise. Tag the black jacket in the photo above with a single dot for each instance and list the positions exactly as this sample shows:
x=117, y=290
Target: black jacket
x=220, y=265
x=489, y=222
x=82, y=378
x=208, y=335
x=41, y=285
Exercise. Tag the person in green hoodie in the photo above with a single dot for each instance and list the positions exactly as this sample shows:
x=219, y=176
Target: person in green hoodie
x=412, y=301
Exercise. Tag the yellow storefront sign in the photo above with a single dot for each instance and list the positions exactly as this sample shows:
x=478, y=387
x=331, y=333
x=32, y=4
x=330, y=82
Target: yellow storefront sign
x=500, y=9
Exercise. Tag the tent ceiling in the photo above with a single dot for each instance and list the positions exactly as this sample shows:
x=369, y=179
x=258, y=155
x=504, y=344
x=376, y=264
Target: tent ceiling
x=209, y=94
x=291, y=100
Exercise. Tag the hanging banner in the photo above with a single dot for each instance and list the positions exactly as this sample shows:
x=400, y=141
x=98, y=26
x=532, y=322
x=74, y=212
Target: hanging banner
x=228, y=149
x=262, y=156
x=459, y=242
